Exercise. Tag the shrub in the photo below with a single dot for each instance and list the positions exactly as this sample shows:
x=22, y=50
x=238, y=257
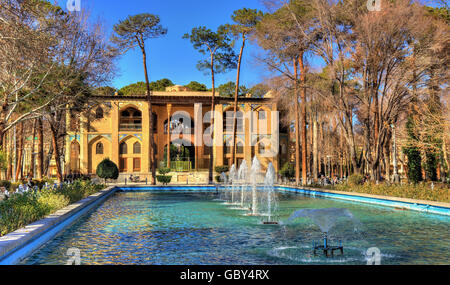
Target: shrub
x=287, y=170
x=355, y=179
x=164, y=179
x=5, y=183
x=222, y=168
x=414, y=164
x=80, y=189
x=107, y=170
x=218, y=178
x=163, y=170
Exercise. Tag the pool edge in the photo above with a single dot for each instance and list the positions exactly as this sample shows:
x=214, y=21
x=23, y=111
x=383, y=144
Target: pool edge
x=423, y=206
x=19, y=244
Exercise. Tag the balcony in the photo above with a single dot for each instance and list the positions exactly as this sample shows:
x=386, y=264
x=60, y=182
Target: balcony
x=123, y=127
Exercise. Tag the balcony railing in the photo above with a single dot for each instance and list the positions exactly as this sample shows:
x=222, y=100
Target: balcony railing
x=130, y=127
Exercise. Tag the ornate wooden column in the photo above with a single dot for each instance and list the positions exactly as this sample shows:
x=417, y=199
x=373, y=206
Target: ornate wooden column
x=169, y=109
x=198, y=131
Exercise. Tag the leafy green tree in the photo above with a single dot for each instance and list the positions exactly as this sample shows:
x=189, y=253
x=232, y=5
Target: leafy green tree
x=228, y=89
x=245, y=21
x=138, y=88
x=259, y=90
x=196, y=86
x=160, y=85
x=220, y=58
x=107, y=169
x=133, y=32
x=105, y=91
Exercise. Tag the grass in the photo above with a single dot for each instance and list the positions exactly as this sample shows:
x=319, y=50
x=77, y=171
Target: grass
x=22, y=209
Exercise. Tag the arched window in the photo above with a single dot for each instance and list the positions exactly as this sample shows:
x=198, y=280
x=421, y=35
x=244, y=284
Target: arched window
x=99, y=148
x=99, y=113
x=123, y=148
x=136, y=148
x=228, y=121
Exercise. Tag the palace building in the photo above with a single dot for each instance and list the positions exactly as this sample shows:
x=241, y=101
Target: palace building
x=118, y=128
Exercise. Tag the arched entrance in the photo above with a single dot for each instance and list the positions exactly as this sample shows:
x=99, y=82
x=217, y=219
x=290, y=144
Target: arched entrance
x=182, y=156
x=74, y=157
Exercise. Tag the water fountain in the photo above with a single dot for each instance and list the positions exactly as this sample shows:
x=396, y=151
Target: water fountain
x=268, y=202
x=255, y=179
x=224, y=191
x=243, y=180
x=233, y=182
x=326, y=219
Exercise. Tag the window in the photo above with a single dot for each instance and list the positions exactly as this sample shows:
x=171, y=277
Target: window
x=228, y=147
x=122, y=164
x=131, y=120
x=99, y=148
x=136, y=148
x=136, y=164
x=262, y=115
x=123, y=148
x=228, y=121
x=240, y=148
x=99, y=113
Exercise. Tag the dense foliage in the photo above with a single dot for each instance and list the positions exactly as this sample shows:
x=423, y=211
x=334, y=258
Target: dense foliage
x=22, y=209
x=287, y=170
x=107, y=169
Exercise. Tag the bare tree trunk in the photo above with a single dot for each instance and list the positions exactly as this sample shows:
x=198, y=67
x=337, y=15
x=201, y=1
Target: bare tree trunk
x=10, y=160
x=20, y=153
x=211, y=154
x=303, y=115
x=315, y=149
x=54, y=132
x=149, y=100
x=32, y=157
x=236, y=95
x=40, y=154
x=297, y=126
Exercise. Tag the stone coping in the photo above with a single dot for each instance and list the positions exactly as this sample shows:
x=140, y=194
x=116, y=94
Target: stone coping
x=17, y=239
x=390, y=198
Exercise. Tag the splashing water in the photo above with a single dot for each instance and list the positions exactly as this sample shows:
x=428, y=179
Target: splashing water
x=233, y=182
x=324, y=218
x=243, y=177
x=255, y=179
x=268, y=198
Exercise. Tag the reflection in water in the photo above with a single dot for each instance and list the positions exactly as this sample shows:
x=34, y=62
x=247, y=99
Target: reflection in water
x=188, y=228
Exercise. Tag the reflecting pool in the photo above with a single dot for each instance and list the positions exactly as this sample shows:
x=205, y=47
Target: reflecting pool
x=195, y=228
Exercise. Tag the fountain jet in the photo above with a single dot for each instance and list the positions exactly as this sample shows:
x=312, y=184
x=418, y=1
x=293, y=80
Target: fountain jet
x=326, y=219
x=255, y=179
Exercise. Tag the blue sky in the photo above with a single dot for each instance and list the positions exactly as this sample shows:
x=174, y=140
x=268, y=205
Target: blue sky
x=171, y=56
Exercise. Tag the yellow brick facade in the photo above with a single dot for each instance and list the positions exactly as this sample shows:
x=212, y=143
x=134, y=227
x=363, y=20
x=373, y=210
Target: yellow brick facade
x=118, y=128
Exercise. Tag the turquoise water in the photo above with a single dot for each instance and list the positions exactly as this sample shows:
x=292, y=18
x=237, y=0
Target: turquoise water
x=195, y=228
